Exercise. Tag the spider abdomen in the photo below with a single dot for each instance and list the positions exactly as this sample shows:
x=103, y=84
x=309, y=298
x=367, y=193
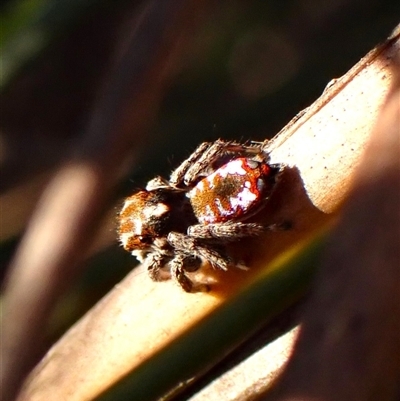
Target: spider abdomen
x=233, y=191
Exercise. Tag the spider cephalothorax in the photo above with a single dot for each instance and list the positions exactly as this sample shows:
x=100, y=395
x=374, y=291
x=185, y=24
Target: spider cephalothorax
x=189, y=219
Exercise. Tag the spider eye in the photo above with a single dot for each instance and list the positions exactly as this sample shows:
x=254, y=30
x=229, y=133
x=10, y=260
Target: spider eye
x=145, y=239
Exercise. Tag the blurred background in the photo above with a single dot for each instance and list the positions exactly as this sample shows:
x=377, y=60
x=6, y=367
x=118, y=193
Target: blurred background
x=249, y=68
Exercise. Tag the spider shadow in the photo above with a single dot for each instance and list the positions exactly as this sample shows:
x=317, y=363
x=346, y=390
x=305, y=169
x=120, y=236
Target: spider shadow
x=289, y=206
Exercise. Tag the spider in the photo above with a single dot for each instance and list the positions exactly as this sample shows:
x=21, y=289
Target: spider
x=178, y=224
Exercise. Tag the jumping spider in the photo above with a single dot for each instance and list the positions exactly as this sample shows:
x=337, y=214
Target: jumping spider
x=180, y=223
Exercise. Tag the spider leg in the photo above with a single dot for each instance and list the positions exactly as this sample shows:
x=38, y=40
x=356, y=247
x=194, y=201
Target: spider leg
x=177, y=265
x=191, y=246
x=226, y=231
x=218, y=150
x=156, y=183
x=178, y=274
x=177, y=176
x=154, y=262
x=203, y=164
x=233, y=231
x=200, y=161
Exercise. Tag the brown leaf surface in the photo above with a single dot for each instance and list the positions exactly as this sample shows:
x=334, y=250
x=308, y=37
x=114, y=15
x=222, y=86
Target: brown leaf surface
x=349, y=345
